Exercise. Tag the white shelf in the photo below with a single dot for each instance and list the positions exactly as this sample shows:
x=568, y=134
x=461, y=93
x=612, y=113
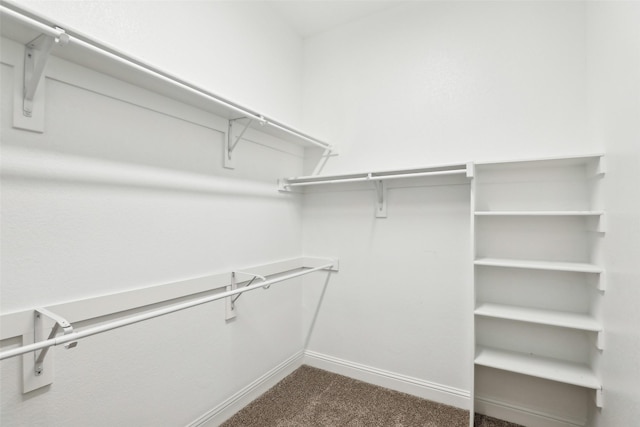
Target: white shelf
x=539, y=316
x=536, y=366
x=539, y=213
x=23, y=26
x=539, y=265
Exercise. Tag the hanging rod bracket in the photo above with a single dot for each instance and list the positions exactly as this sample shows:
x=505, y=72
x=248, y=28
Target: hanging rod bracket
x=231, y=300
x=231, y=142
x=60, y=323
x=381, y=198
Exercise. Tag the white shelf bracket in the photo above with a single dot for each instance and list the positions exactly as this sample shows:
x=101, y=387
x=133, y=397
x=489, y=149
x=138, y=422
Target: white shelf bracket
x=598, y=224
x=601, y=168
x=37, y=368
x=35, y=59
x=231, y=301
x=283, y=186
x=599, y=398
x=230, y=307
x=471, y=170
x=230, y=142
x=60, y=322
x=600, y=340
x=381, y=198
x=602, y=282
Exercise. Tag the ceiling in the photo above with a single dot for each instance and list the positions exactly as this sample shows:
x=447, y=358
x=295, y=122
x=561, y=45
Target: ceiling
x=311, y=17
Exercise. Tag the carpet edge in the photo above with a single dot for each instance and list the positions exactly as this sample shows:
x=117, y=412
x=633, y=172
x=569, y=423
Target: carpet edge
x=226, y=409
x=414, y=386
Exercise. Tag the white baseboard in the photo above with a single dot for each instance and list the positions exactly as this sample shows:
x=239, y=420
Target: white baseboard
x=246, y=395
x=405, y=384
x=520, y=415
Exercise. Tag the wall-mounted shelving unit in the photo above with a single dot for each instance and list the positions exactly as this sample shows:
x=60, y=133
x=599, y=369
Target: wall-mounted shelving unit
x=30, y=30
x=534, y=218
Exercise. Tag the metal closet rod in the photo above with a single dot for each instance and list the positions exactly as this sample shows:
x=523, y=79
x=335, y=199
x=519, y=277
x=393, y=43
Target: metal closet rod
x=373, y=177
x=128, y=61
x=74, y=336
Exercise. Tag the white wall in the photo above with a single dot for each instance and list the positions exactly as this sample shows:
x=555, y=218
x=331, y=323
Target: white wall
x=109, y=199
x=613, y=36
x=439, y=82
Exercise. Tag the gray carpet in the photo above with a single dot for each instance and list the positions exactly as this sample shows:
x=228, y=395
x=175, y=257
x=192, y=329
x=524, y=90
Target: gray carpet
x=313, y=397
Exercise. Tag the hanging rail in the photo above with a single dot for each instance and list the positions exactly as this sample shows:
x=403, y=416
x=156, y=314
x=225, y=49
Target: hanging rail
x=378, y=179
x=75, y=336
x=76, y=39
x=458, y=169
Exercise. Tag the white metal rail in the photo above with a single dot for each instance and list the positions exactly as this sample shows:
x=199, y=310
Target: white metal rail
x=77, y=335
x=372, y=177
x=378, y=179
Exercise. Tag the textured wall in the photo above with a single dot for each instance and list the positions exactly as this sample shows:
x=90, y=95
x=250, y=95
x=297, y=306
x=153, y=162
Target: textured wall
x=614, y=105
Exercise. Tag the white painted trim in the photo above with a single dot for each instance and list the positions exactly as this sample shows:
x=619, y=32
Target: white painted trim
x=246, y=395
x=417, y=387
x=521, y=415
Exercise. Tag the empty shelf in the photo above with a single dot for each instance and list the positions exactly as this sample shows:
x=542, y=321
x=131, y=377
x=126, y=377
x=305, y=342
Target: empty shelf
x=539, y=213
x=539, y=316
x=539, y=265
x=536, y=366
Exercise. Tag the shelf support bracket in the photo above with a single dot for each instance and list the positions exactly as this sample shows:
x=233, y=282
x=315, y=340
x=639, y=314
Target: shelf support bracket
x=231, y=142
x=60, y=322
x=381, y=198
x=231, y=301
x=35, y=59
x=600, y=340
x=599, y=398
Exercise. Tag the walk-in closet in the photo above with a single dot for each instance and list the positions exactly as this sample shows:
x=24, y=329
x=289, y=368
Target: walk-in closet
x=319, y=213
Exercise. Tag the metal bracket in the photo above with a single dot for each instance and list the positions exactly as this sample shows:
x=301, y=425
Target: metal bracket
x=381, y=198
x=599, y=398
x=283, y=186
x=230, y=143
x=231, y=301
x=35, y=58
x=597, y=224
x=471, y=170
x=60, y=322
x=600, y=340
x=601, y=281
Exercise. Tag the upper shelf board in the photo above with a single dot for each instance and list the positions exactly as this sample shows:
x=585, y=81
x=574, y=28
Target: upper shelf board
x=540, y=265
x=537, y=366
x=571, y=160
x=543, y=317
x=539, y=213
x=23, y=27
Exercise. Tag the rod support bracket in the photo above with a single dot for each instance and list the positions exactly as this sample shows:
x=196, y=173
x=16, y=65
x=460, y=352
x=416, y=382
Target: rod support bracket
x=60, y=323
x=231, y=301
x=381, y=198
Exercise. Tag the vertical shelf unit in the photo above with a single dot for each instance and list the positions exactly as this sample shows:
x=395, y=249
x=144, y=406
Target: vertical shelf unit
x=539, y=278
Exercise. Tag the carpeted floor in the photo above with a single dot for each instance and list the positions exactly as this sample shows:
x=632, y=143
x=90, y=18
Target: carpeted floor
x=313, y=397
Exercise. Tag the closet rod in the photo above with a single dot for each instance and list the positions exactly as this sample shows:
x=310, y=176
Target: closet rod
x=74, y=336
x=129, y=61
x=372, y=177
